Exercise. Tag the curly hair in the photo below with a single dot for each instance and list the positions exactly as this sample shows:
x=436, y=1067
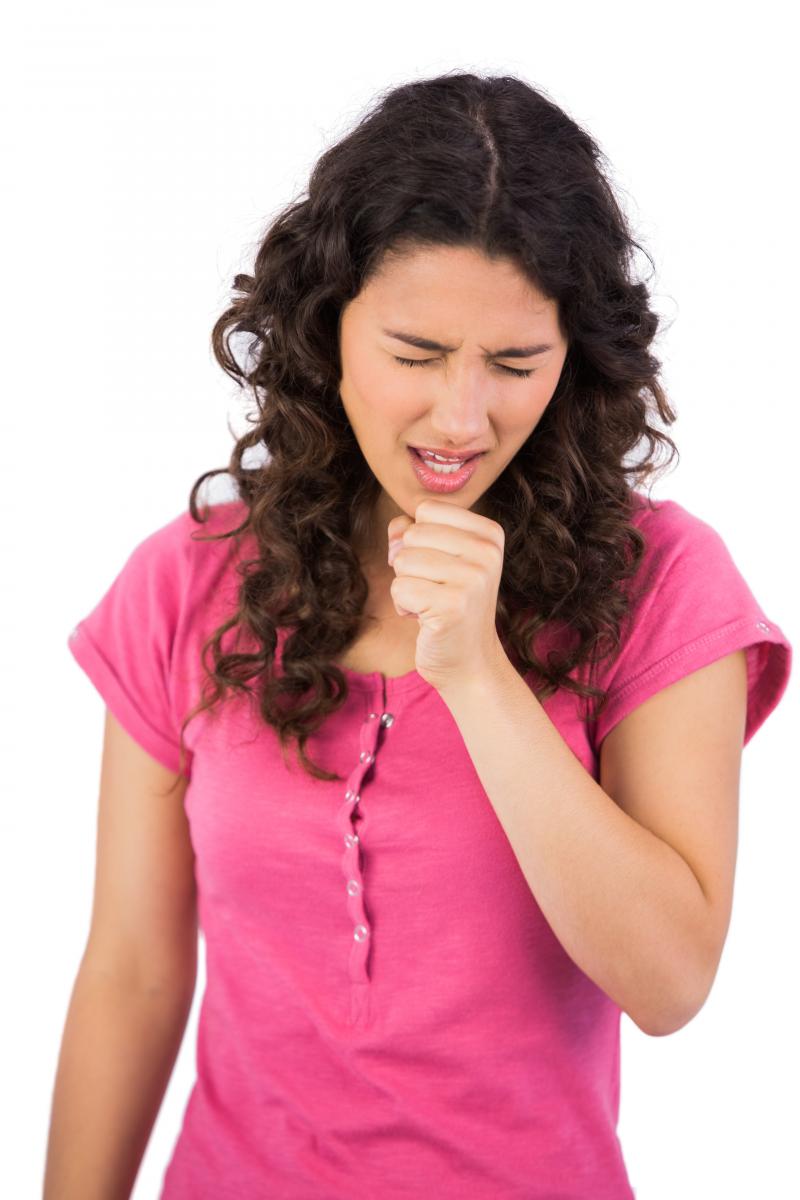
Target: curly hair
x=485, y=162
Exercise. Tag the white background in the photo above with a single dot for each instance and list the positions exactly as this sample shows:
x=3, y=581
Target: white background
x=145, y=148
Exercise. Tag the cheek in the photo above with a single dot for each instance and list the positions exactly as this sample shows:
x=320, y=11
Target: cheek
x=528, y=414
x=519, y=416
x=376, y=387
x=392, y=401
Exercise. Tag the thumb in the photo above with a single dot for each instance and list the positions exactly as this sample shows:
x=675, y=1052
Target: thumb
x=395, y=530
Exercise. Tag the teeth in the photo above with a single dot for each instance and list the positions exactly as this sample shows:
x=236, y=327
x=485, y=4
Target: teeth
x=442, y=468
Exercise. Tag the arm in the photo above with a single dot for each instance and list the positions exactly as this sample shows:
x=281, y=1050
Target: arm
x=117, y=1053
x=624, y=903
x=133, y=991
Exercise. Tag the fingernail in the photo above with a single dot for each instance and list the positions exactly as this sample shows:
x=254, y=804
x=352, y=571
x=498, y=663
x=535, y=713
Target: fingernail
x=394, y=546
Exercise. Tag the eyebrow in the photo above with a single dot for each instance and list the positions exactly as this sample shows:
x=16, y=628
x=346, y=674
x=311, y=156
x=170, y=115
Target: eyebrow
x=422, y=343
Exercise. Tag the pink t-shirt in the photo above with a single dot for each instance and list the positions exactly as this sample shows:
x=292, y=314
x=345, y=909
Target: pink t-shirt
x=387, y=1013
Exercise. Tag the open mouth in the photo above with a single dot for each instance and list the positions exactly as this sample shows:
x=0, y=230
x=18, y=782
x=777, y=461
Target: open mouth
x=448, y=462
x=444, y=477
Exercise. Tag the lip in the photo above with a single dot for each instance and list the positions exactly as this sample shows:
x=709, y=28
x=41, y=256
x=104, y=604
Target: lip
x=451, y=481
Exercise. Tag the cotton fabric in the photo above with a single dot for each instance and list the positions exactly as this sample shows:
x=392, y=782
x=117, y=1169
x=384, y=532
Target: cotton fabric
x=387, y=1014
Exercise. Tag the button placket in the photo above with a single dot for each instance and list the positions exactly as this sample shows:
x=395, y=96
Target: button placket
x=351, y=858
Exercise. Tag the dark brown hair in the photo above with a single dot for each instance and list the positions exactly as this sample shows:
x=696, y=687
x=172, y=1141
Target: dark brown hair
x=462, y=160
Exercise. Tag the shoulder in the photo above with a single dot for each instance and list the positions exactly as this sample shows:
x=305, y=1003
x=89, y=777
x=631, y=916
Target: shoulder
x=669, y=527
x=183, y=545
x=177, y=570
x=691, y=604
x=182, y=532
x=680, y=546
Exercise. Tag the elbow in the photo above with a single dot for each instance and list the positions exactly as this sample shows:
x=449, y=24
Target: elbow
x=683, y=989
x=665, y=1024
x=669, y=1017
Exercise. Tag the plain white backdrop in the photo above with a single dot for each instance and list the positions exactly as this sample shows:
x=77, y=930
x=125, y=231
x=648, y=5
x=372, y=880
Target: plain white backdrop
x=145, y=148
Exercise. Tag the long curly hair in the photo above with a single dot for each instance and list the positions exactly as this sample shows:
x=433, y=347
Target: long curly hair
x=490, y=163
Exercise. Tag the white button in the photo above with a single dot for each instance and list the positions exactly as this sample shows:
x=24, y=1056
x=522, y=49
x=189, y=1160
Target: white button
x=365, y=756
x=761, y=625
x=352, y=887
x=387, y=718
x=372, y=716
x=359, y=933
x=350, y=839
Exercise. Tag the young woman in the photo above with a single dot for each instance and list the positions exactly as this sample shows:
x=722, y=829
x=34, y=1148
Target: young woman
x=442, y=814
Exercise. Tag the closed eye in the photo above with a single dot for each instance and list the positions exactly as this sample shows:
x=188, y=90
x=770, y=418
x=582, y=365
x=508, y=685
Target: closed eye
x=421, y=362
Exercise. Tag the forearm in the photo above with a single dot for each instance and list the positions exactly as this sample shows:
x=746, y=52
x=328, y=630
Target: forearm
x=625, y=906
x=117, y=1053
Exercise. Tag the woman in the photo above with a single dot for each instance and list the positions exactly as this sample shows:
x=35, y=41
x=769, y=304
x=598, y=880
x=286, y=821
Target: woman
x=511, y=815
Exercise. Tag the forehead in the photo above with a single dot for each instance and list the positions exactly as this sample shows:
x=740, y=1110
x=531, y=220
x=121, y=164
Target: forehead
x=427, y=284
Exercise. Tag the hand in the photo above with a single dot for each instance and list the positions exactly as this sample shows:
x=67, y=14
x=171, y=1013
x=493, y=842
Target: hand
x=447, y=574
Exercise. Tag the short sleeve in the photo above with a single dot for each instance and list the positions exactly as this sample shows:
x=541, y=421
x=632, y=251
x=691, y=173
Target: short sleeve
x=125, y=642
x=694, y=608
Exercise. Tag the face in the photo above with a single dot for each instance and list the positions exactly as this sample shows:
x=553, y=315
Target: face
x=460, y=397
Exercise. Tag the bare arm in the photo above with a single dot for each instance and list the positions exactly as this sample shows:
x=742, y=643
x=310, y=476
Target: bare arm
x=133, y=990
x=634, y=875
x=117, y=1053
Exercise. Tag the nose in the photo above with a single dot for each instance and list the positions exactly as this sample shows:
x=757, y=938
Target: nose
x=460, y=412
